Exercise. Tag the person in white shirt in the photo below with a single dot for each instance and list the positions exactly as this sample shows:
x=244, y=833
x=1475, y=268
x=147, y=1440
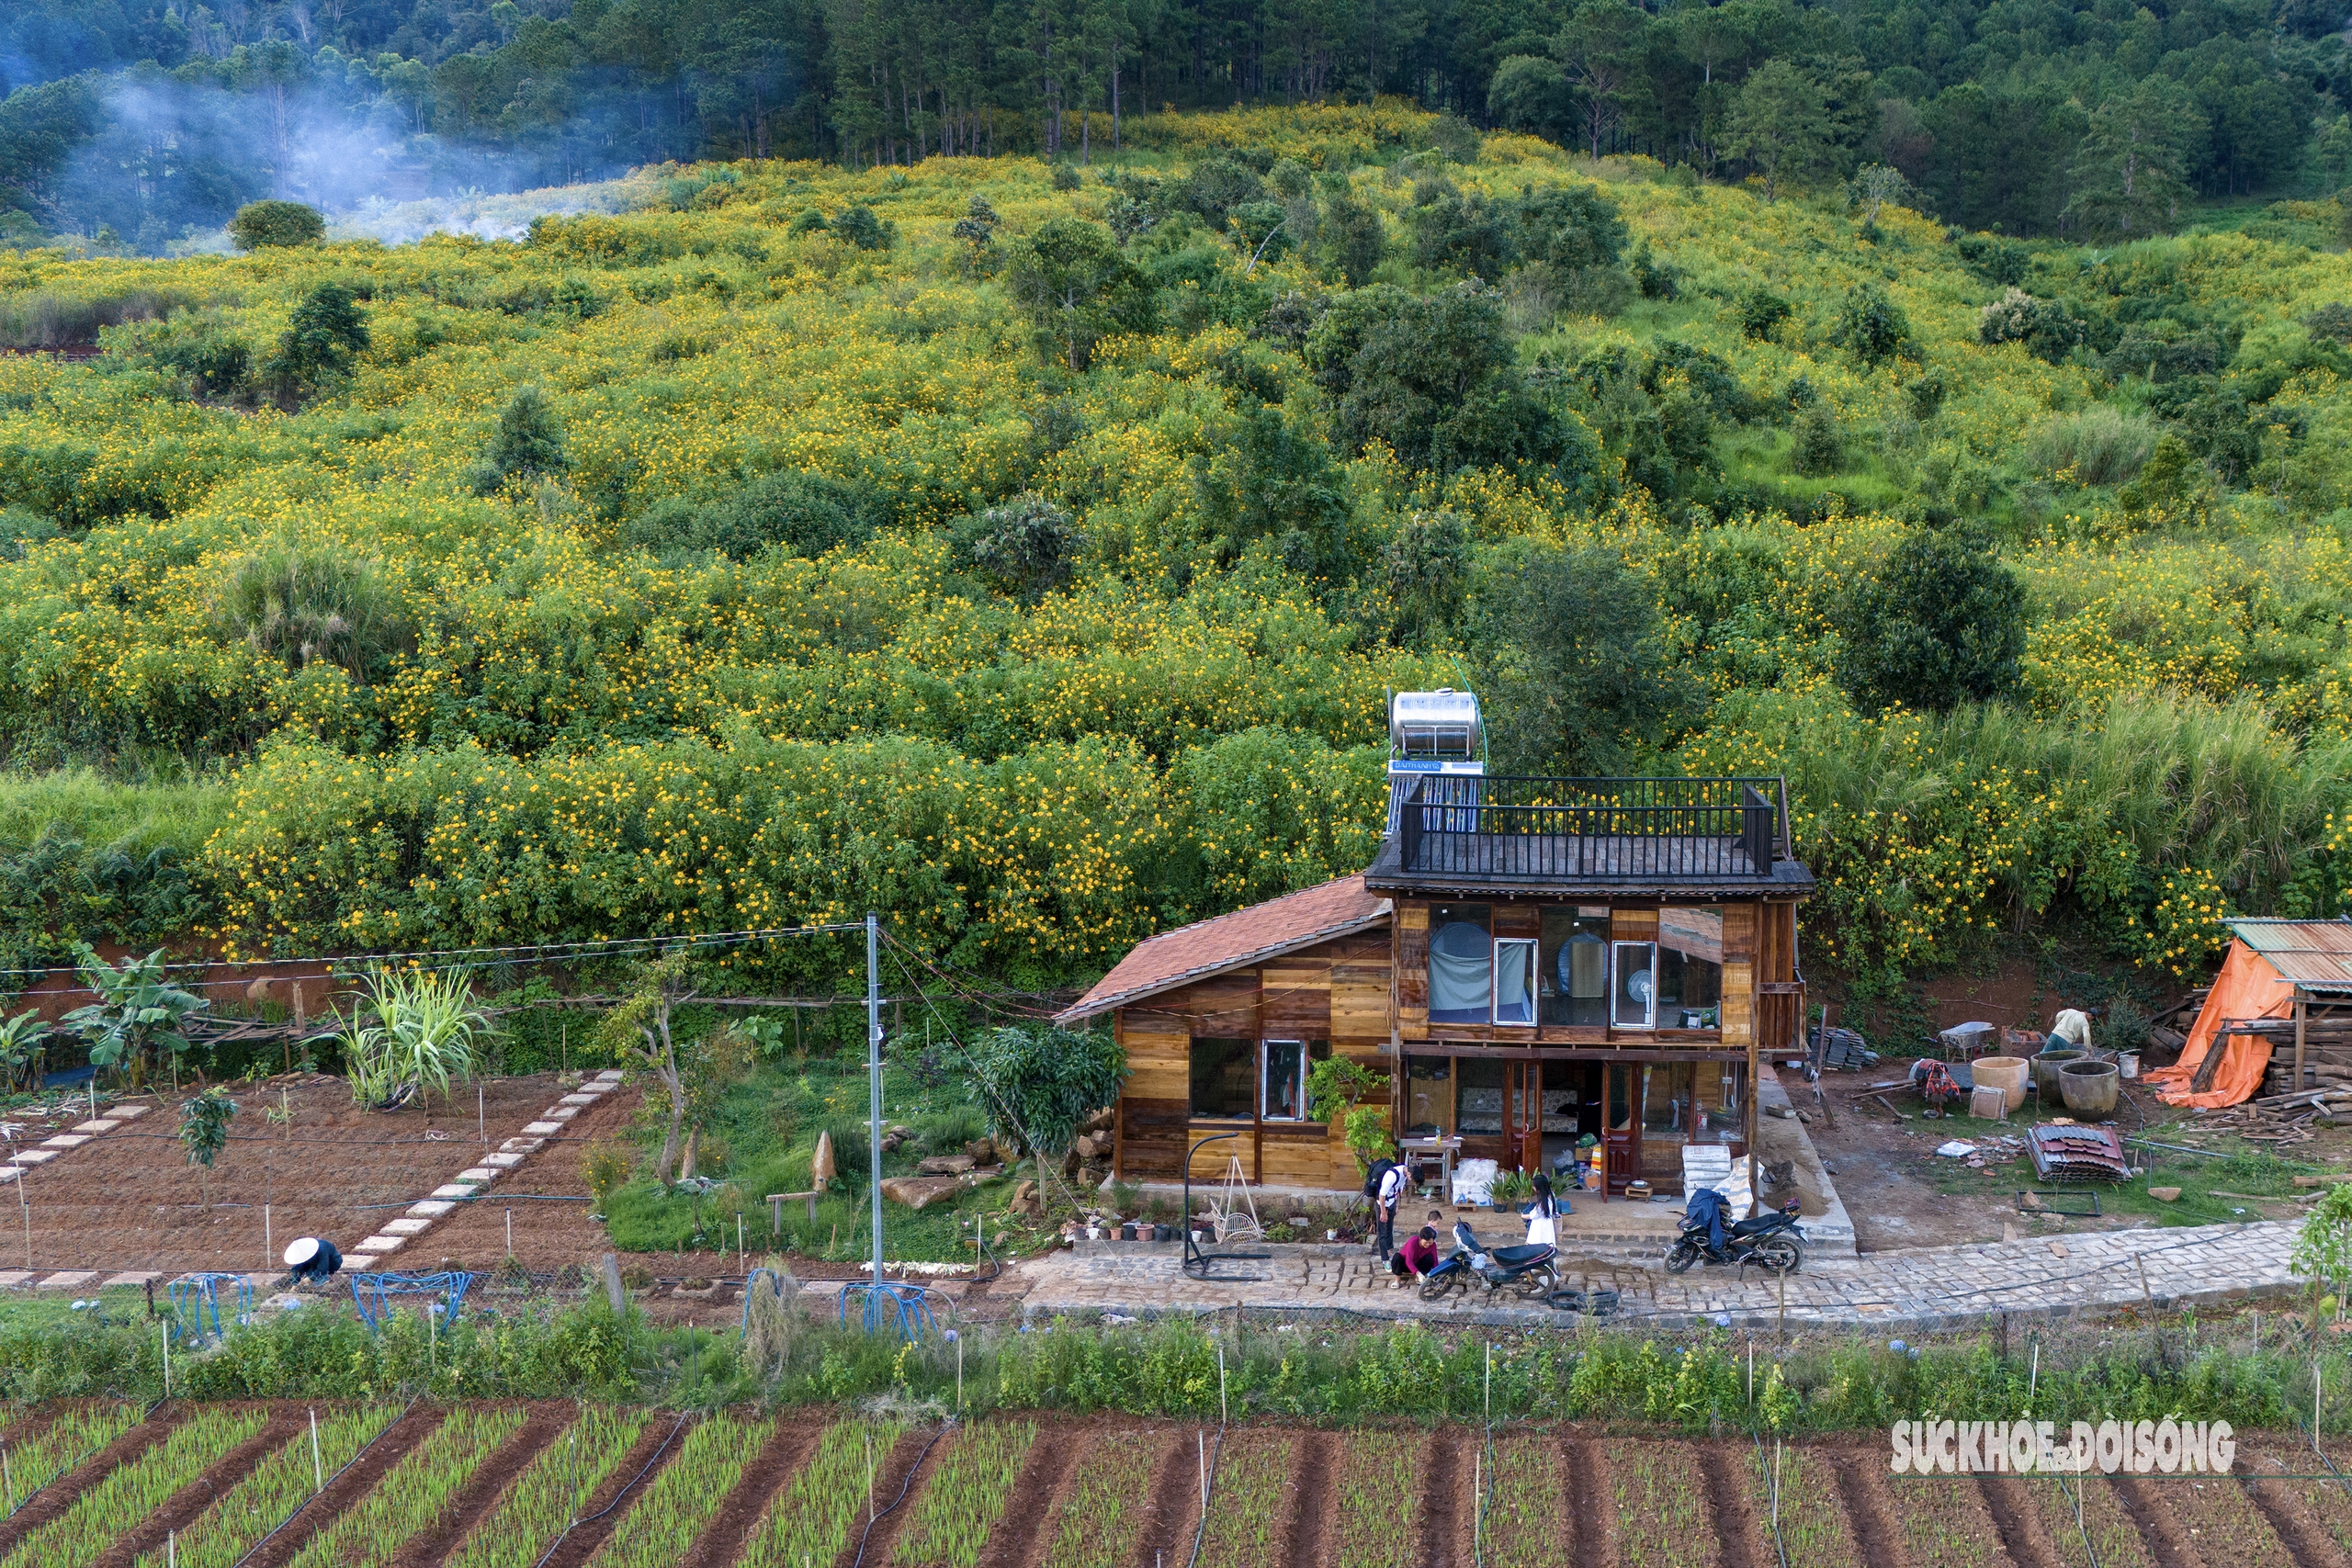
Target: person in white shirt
x=1384, y=1207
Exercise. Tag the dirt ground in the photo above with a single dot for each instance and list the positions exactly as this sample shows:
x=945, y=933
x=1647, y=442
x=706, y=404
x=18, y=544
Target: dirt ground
x=131, y=1200
x=1900, y=1193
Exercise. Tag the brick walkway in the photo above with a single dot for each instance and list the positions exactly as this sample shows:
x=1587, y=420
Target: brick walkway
x=2045, y=1276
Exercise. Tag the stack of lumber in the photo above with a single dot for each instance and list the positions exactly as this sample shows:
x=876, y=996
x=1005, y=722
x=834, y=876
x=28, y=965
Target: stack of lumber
x=2327, y=1057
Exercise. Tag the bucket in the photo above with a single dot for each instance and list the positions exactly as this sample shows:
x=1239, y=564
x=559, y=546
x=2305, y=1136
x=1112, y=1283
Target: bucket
x=2130, y=1063
x=2007, y=1074
x=2045, y=1072
x=2088, y=1088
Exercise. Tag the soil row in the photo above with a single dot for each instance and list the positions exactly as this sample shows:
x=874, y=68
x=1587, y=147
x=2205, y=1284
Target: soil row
x=1108, y=1492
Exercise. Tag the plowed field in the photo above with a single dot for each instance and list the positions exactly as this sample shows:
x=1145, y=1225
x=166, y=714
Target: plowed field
x=514, y=1486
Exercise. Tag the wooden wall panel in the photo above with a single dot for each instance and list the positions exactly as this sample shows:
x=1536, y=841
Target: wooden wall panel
x=1739, y=931
x=1296, y=1160
x=1518, y=920
x=1209, y=1164
x=1159, y=1055
x=1739, y=1003
x=1776, y=954
x=1295, y=998
x=1413, y=967
x=1633, y=925
x=1359, y=1004
x=1224, y=1007
x=1151, y=1138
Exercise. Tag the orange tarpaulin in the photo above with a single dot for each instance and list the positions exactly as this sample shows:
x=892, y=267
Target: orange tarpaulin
x=2248, y=988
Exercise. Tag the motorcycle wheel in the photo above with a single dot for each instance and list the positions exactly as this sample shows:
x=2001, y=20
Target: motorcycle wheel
x=1437, y=1287
x=1537, y=1284
x=1679, y=1257
x=1779, y=1254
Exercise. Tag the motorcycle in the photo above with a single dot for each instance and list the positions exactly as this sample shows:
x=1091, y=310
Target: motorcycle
x=1773, y=1241
x=1528, y=1270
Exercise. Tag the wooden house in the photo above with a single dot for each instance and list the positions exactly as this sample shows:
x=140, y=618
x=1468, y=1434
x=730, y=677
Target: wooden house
x=1528, y=961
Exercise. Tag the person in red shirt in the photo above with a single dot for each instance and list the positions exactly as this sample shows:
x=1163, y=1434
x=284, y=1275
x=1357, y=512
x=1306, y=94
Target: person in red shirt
x=1418, y=1255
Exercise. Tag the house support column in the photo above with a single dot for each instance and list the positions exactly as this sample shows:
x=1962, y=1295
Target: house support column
x=2298, y=1040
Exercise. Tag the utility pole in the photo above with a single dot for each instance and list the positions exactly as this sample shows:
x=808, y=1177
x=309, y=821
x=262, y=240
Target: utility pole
x=874, y=1072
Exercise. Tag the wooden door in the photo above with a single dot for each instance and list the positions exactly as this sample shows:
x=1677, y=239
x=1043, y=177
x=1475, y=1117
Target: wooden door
x=1623, y=1089
x=1523, y=1114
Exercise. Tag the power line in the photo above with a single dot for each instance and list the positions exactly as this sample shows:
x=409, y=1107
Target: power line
x=466, y=957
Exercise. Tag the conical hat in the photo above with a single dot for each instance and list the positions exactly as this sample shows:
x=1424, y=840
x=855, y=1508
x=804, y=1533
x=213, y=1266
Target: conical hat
x=820, y=1169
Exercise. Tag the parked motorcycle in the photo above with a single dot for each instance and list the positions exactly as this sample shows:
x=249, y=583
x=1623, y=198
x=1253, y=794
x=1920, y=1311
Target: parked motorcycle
x=1528, y=1270
x=1775, y=1242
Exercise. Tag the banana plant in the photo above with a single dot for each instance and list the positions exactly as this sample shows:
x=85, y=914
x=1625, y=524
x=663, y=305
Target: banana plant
x=21, y=1039
x=139, y=1014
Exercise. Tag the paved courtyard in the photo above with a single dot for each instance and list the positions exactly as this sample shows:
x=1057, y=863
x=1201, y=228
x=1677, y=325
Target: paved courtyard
x=2044, y=1276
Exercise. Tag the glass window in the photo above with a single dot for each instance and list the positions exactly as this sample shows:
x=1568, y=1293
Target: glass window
x=1574, y=975
x=1462, y=978
x=1633, y=991
x=1690, y=967
x=1285, y=1080
x=1515, y=981
x=1429, y=1096
x=1225, y=1080
x=1481, y=1097
x=1666, y=1110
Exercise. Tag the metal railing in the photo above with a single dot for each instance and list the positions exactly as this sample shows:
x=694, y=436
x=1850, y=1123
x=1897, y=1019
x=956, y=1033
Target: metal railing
x=1636, y=829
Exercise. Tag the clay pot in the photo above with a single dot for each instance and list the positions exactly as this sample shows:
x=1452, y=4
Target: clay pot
x=2089, y=1089
x=2007, y=1074
x=2045, y=1073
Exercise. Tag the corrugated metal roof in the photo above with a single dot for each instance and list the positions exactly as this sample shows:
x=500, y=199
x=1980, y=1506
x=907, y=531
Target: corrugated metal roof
x=2313, y=954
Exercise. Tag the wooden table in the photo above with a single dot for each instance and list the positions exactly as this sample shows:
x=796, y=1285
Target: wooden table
x=1444, y=1149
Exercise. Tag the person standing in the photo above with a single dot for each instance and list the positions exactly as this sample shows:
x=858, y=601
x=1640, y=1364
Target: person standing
x=1541, y=1212
x=1390, y=1193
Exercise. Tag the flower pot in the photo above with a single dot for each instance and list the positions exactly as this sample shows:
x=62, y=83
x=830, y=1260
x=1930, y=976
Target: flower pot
x=2088, y=1088
x=2045, y=1073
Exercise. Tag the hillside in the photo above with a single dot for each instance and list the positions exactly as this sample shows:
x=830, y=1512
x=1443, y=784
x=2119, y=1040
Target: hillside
x=140, y=125
x=1028, y=562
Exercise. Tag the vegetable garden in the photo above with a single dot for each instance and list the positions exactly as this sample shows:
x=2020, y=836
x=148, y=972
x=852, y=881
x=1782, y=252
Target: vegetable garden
x=591, y=1486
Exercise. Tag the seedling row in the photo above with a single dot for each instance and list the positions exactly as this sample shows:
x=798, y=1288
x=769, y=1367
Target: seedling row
x=588, y=1486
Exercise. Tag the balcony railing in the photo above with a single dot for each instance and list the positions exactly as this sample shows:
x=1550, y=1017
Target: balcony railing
x=1655, y=830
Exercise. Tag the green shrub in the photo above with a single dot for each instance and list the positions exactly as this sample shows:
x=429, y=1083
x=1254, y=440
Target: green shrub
x=1942, y=622
x=259, y=224
x=528, y=443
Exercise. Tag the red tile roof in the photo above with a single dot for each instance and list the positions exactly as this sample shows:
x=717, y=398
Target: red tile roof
x=1234, y=941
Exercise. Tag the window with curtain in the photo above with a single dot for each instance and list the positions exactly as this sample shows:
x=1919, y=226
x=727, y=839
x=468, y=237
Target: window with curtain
x=1515, y=982
x=1462, y=960
x=1573, y=979
x=1225, y=1080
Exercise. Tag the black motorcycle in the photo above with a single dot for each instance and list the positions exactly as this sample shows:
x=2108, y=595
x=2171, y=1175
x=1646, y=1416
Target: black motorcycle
x=1525, y=1270
x=1775, y=1242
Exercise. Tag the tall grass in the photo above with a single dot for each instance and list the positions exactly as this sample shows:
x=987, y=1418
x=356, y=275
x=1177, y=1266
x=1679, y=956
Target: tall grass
x=95, y=810
x=44, y=320
x=2100, y=446
x=2185, y=782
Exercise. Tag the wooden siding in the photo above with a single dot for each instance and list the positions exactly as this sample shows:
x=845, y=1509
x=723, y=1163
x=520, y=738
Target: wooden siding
x=1412, y=960
x=1338, y=992
x=1633, y=925
x=1739, y=1002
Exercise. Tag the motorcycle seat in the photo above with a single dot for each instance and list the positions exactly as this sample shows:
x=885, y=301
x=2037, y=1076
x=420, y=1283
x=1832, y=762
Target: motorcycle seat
x=1512, y=1257
x=1761, y=1222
